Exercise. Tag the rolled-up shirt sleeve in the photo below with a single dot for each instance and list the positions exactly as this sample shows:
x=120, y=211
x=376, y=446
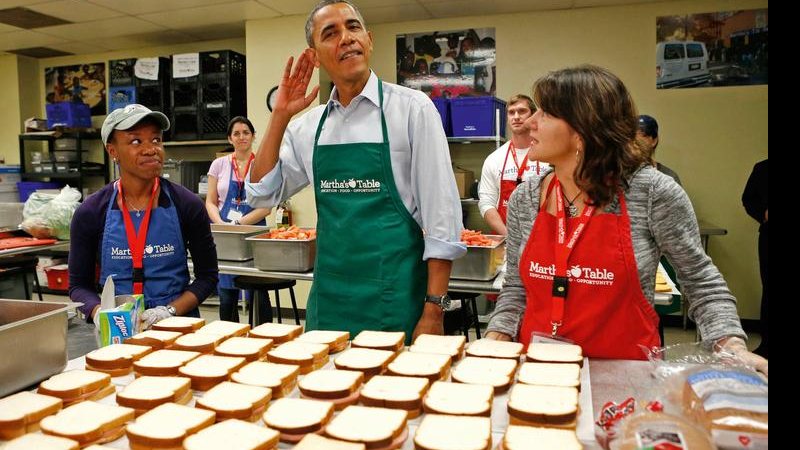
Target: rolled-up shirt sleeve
x=288, y=176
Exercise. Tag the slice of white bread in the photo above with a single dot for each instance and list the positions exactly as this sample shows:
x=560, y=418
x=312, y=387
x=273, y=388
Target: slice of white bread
x=550, y=406
x=225, y=328
x=443, y=432
x=20, y=413
x=198, y=342
x=432, y=366
x=335, y=340
x=380, y=340
x=496, y=372
x=166, y=426
x=296, y=417
x=89, y=422
x=145, y=393
x=251, y=349
x=98, y=447
x=235, y=401
x=278, y=332
x=396, y=393
x=443, y=345
x=33, y=441
x=180, y=324
x=157, y=339
x=370, y=361
x=519, y=437
x=163, y=362
x=377, y=428
x=233, y=434
x=317, y=442
x=304, y=354
x=551, y=374
x=337, y=386
x=281, y=378
x=459, y=399
x=490, y=348
x=207, y=371
x=555, y=353
x=75, y=386
x=116, y=359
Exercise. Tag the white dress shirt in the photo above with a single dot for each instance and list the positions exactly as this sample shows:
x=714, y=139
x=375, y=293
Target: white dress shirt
x=419, y=155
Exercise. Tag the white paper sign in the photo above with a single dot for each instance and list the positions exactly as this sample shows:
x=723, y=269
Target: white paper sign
x=146, y=68
x=185, y=65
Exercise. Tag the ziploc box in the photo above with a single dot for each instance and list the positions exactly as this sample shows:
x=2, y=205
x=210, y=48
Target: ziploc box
x=121, y=322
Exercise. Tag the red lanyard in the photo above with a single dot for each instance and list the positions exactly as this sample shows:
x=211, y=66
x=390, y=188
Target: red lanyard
x=562, y=252
x=240, y=179
x=136, y=241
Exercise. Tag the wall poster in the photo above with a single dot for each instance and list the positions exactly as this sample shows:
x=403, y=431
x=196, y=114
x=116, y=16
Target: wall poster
x=81, y=82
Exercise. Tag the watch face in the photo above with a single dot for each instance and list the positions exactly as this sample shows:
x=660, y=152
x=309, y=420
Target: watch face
x=445, y=302
x=271, y=96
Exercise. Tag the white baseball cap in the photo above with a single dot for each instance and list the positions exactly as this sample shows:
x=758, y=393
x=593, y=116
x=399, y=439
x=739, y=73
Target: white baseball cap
x=127, y=117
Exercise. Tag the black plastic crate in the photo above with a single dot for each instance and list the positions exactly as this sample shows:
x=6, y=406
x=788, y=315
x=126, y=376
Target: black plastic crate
x=164, y=75
x=222, y=61
x=185, y=92
x=214, y=123
x=185, y=125
x=120, y=72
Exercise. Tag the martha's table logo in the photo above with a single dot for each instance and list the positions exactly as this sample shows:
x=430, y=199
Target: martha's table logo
x=598, y=276
x=348, y=186
x=150, y=251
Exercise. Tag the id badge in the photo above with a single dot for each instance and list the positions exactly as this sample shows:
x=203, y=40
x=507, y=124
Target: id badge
x=234, y=215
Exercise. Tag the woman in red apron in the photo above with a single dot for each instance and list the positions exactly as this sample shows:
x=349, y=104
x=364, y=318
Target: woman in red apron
x=598, y=225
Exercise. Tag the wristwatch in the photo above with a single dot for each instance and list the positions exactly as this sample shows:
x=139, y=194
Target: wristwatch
x=236, y=222
x=171, y=310
x=442, y=300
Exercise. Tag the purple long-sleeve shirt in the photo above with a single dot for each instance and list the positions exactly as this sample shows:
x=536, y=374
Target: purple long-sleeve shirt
x=86, y=238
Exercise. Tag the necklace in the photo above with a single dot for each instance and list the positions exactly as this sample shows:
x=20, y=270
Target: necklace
x=138, y=211
x=572, y=208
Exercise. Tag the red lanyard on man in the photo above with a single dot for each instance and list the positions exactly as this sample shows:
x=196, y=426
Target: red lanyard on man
x=562, y=251
x=240, y=178
x=507, y=186
x=136, y=241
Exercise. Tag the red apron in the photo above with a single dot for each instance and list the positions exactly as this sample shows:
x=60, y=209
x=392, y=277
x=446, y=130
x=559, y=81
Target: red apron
x=507, y=186
x=603, y=308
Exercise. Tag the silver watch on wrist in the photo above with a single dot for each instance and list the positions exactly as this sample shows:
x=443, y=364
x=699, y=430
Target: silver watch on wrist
x=442, y=300
x=171, y=310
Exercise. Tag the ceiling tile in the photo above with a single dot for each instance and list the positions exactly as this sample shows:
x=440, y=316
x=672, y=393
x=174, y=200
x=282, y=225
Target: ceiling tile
x=119, y=26
x=364, y=4
x=210, y=15
x=459, y=8
x=290, y=7
x=216, y=31
x=8, y=28
x=14, y=3
x=391, y=13
x=80, y=48
x=75, y=11
x=159, y=38
x=593, y=3
x=27, y=38
x=137, y=7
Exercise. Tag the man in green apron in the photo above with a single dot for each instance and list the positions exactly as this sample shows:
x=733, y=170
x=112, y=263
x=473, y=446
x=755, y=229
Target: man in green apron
x=389, y=215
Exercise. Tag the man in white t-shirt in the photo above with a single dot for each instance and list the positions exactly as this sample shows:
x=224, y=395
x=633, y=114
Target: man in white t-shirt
x=508, y=166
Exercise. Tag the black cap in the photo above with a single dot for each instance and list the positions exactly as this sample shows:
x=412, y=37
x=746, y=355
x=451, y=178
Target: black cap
x=648, y=125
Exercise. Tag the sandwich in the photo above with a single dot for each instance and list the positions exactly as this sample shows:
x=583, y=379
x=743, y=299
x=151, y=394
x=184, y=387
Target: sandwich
x=233, y=434
x=115, y=359
x=21, y=413
x=146, y=393
x=490, y=348
x=395, y=393
x=75, y=386
x=163, y=362
x=296, y=417
x=380, y=340
x=452, y=346
x=555, y=353
x=98, y=447
x=250, y=349
x=519, y=438
x=306, y=355
x=41, y=442
x=278, y=332
x=496, y=372
x=376, y=428
x=225, y=328
x=281, y=378
x=432, y=366
x=459, y=399
x=88, y=422
x=441, y=432
x=317, y=442
x=166, y=426
x=551, y=374
x=337, y=386
x=198, y=342
x=235, y=401
x=207, y=371
x=335, y=340
x=543, y=406
x=154, y=338
x=180, y=324
x=371, y=362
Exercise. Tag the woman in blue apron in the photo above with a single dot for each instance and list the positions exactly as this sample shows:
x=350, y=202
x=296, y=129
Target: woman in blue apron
x=140, y=227
x=226, y=202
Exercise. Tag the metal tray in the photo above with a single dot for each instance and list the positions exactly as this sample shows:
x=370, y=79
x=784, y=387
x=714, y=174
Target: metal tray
x=33, y=342
x=230, y=240
x=480, y=263
x=283, y=254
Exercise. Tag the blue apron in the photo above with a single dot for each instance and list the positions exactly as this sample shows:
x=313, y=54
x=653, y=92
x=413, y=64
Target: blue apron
x=235, y=200
x=166, y=274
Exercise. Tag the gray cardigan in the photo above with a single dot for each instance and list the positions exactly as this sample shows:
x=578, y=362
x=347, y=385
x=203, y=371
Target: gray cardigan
x=662, y=222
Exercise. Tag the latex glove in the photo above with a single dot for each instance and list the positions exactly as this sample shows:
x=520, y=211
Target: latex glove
x=737, y=347
x=153, y=315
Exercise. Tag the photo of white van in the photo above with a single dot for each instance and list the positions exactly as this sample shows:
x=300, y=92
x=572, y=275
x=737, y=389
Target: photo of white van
x=681, y=64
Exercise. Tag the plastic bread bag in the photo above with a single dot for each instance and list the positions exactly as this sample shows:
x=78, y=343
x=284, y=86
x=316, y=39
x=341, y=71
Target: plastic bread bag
x=653, y=428
x=34, y=214
x=49, y=215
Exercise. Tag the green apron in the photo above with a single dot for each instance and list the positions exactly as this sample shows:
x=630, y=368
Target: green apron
x=369, y=273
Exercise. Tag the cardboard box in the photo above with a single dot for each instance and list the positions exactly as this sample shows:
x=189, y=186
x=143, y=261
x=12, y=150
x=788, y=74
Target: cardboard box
x=464, y=180
x=115, y=325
